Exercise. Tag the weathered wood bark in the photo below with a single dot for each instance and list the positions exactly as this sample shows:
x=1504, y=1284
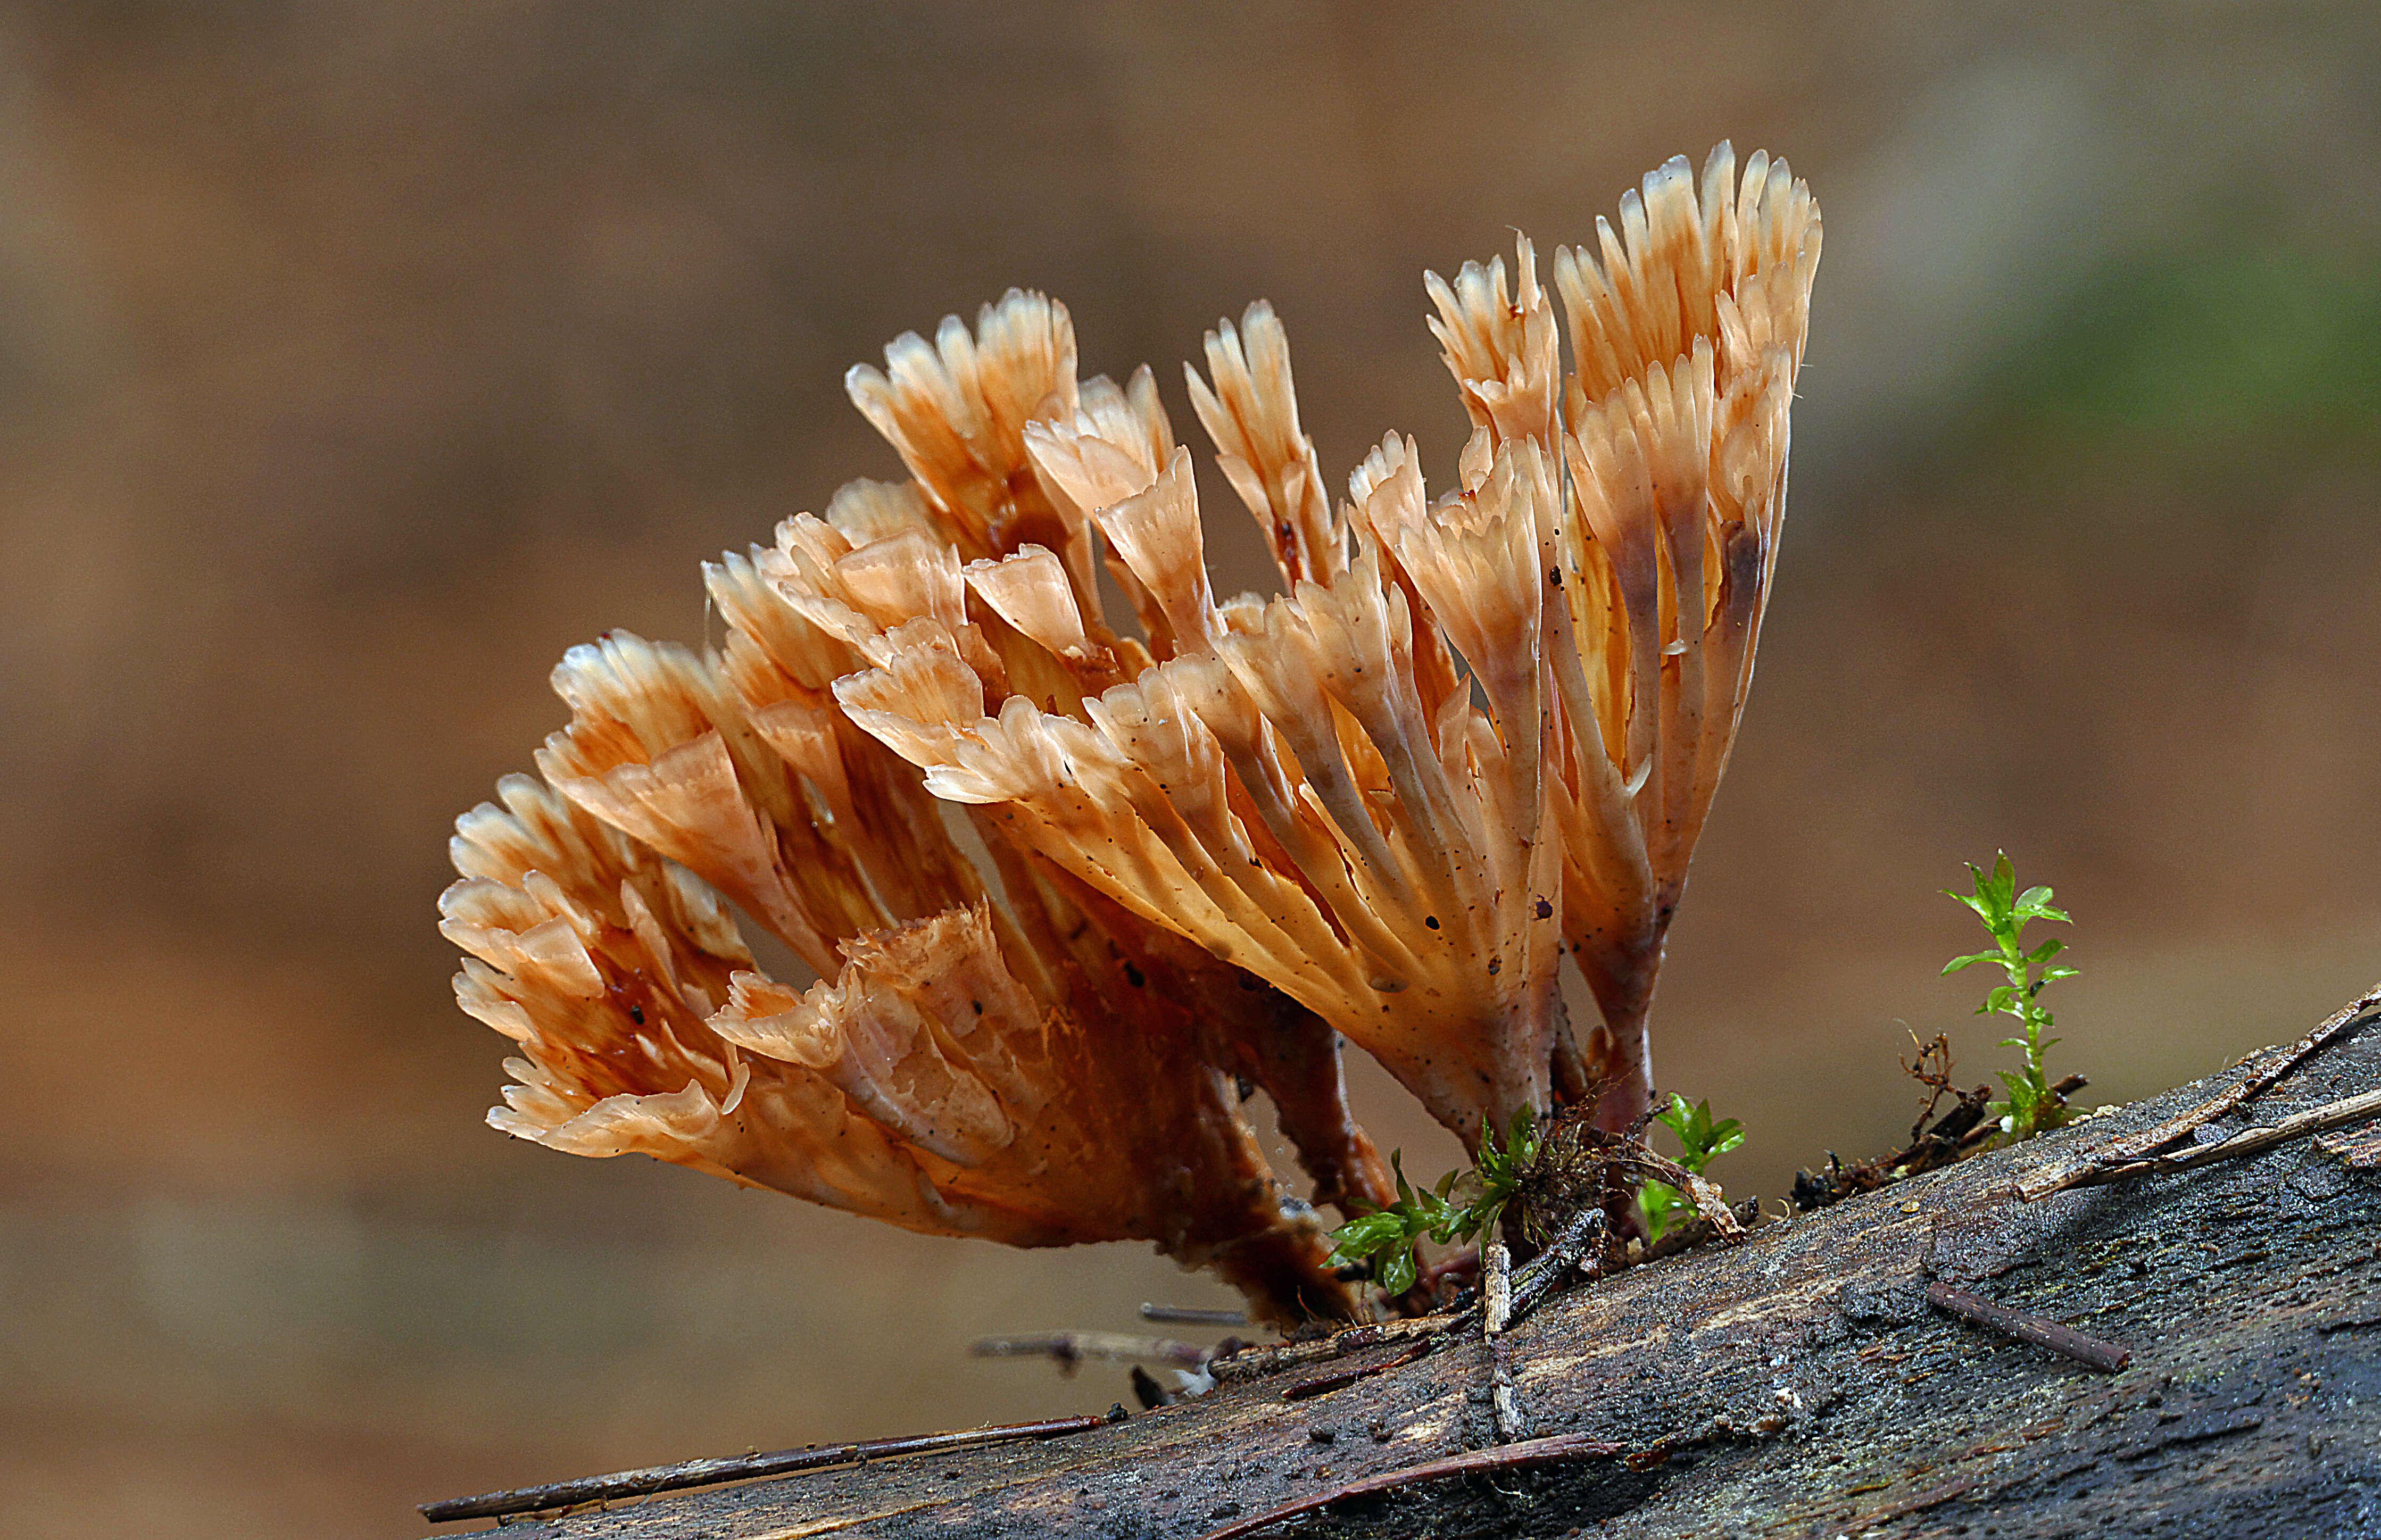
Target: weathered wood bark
x=1797, y=1384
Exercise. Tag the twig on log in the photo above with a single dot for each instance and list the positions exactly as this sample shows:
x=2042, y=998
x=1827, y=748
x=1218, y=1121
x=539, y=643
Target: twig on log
x=1323, y=1385
x=1070, y=1348
x=709, y=1473
x=2136, y=1147
x=2093, y=1351
x=2248, y=1142
x=1252, y=1363
x=1504, y=1457
x=1191, y=1316
x=1541, y=1273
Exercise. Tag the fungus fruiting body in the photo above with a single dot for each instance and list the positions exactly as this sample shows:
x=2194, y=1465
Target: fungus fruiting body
x=1070, y=892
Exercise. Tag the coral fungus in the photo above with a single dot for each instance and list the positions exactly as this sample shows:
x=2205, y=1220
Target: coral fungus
x=1070, y=892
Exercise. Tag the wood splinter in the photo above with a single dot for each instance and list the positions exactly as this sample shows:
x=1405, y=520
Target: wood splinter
x=1497, y=1292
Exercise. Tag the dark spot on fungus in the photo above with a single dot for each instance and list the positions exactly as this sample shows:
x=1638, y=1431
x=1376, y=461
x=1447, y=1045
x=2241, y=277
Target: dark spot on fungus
x=1431, y=920
x=637, y=1014
x=1134, y=976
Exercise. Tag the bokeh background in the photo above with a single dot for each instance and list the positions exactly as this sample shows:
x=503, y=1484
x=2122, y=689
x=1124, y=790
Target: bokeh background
x=357, y=357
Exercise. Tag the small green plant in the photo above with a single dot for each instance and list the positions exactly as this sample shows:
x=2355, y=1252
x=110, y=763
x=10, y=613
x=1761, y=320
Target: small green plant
x=1463, y=1204
x=1660, y=1206
x=2032, y=1105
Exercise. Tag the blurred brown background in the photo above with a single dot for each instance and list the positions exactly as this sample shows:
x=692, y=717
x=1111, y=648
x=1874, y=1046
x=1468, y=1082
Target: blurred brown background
x=358, y=356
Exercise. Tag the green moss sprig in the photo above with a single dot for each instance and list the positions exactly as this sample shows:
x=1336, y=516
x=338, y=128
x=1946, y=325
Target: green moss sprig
x=1661, y=1206
x=2031, y=1107
x=1461, y=1207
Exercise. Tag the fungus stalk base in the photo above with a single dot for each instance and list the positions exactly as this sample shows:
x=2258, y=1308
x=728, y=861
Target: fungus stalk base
x=1620, y=1071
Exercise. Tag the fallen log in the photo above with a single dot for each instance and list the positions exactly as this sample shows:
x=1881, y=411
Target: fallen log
x=1800, y=1382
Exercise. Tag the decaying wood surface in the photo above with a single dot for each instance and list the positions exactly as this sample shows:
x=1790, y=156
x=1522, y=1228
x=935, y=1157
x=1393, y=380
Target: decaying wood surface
x=1799, y=1383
